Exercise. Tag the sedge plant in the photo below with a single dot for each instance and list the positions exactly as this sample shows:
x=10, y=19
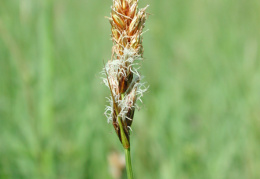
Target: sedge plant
x=122, y=76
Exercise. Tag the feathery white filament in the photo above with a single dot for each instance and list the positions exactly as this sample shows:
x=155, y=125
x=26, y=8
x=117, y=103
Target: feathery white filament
x=115, y=69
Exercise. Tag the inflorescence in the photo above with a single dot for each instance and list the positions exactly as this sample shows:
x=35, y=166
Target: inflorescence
x=122, y=76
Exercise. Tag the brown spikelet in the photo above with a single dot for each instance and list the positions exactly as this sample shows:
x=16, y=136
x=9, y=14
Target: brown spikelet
x=128, y=23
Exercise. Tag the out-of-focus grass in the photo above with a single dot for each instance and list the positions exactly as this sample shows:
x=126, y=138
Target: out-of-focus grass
x=200, y=118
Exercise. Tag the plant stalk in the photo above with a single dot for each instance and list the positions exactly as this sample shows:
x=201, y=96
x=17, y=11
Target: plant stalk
x=128, y=164
x=126, y=145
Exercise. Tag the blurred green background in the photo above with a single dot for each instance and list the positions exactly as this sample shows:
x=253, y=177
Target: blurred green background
x=200, y=118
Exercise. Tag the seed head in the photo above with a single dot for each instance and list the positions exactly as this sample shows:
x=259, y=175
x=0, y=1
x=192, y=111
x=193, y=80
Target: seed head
x=122, y=76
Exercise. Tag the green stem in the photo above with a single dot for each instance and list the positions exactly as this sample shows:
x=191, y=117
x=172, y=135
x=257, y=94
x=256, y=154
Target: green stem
x=128, y=164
